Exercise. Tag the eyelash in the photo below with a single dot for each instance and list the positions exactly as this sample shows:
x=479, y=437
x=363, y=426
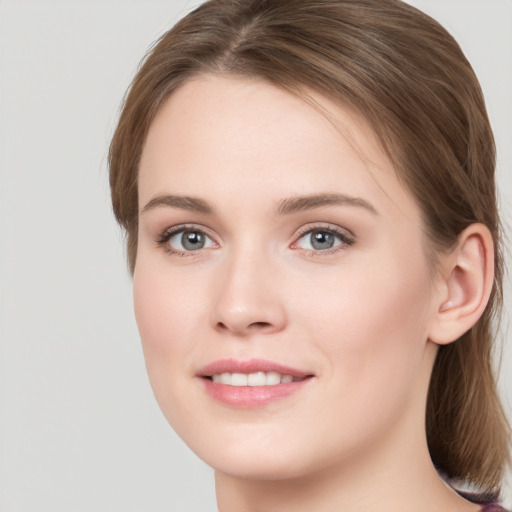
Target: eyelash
x=167, y=235
x=344, y=239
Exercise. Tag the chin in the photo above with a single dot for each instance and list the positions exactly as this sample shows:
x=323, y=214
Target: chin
x=250, y=456
x=252, y=466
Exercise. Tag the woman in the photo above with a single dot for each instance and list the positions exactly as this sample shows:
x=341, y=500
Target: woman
x=308, y=193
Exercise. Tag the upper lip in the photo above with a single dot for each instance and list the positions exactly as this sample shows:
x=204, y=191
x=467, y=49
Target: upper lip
x=250, y=366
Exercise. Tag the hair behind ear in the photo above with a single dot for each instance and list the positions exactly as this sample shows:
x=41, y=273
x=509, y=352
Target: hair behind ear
x=467, y=429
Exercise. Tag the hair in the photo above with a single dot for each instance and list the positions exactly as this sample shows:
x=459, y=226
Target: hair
x=409, y=78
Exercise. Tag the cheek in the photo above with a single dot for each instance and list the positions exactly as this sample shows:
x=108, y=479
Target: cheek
x=155, y=309
x=166, y=313
x=370, y=322
x=167, y=304
x=384, y=299
x=370, y=328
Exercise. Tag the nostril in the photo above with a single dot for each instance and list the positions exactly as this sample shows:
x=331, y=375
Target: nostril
x=262, y=327
x=222, y=326
x=247, y=328
x=259, y=324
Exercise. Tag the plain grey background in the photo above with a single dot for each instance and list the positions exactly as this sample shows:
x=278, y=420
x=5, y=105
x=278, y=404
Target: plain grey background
x=79, y=427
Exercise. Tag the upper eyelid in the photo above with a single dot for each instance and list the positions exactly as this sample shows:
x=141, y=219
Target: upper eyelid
x=303, y=229
x=327, y=226
x=174, y=230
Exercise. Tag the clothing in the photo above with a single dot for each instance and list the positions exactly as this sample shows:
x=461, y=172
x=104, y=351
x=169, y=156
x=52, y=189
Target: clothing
x=487, y=501
x=493, y=507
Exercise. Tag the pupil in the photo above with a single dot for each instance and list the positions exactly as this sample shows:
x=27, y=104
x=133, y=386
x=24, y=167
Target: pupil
x=192, y=240
x=322, y=240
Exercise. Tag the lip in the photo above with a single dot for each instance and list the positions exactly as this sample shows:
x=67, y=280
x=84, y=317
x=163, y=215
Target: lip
x=251, y=366
x=249, y=397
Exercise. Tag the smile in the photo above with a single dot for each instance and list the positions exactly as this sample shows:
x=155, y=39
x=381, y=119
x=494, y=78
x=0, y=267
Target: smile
x=254, y=379
x=251, y=384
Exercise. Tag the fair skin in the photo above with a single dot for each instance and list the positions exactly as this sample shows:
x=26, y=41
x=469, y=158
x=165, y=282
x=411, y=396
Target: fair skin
x=339, y=289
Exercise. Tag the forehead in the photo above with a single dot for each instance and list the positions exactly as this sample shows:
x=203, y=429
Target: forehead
x=219, y=136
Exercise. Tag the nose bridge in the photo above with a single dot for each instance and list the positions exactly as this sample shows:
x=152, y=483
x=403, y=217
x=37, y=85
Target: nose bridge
x=247, y=297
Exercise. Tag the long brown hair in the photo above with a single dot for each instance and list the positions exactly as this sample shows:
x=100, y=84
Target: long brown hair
x=409, y=78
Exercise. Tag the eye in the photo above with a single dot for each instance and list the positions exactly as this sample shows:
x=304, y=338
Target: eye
x=185, y=240
x=322, y=239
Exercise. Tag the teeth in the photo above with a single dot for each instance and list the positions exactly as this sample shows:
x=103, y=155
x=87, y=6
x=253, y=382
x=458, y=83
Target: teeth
x=238, y=379
x=257, y=379
x=225, y=378
x=273, y=378
x=253, y=379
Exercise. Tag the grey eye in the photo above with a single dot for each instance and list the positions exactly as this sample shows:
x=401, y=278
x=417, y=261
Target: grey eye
x=190, y=240
x=321, y=239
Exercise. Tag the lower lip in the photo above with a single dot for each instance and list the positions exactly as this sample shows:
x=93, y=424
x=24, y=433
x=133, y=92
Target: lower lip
x=250, y=397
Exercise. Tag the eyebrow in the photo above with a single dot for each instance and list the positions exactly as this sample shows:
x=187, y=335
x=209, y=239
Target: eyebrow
x=286, y=206
x=302, y=203
x=192, y=204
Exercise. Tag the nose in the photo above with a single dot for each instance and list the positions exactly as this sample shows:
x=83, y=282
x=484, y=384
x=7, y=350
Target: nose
x=248, y=298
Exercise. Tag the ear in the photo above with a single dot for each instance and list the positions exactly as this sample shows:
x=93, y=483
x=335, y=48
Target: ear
x=465, y=284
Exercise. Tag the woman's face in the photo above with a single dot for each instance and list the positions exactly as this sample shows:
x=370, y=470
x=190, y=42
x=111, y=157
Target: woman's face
x=270, y=246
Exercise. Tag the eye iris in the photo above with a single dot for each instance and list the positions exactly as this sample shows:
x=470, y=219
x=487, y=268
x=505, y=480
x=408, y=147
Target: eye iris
x=192, y=240
x=322, y=240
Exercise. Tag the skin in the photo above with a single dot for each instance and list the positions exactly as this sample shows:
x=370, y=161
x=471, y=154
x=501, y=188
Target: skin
x=361, y=317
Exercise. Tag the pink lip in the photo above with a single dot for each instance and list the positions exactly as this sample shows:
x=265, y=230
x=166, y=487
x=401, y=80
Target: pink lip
x=249, y=397
x=251, y=366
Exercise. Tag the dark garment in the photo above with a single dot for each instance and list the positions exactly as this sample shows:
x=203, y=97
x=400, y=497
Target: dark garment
x=493, y=507
x=487, y=501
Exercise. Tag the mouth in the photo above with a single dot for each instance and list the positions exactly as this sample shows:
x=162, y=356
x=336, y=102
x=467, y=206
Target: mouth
x=251, y=384
x=259, y=378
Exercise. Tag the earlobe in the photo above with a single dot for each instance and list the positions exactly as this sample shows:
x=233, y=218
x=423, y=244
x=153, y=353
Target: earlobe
x=467, y=278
